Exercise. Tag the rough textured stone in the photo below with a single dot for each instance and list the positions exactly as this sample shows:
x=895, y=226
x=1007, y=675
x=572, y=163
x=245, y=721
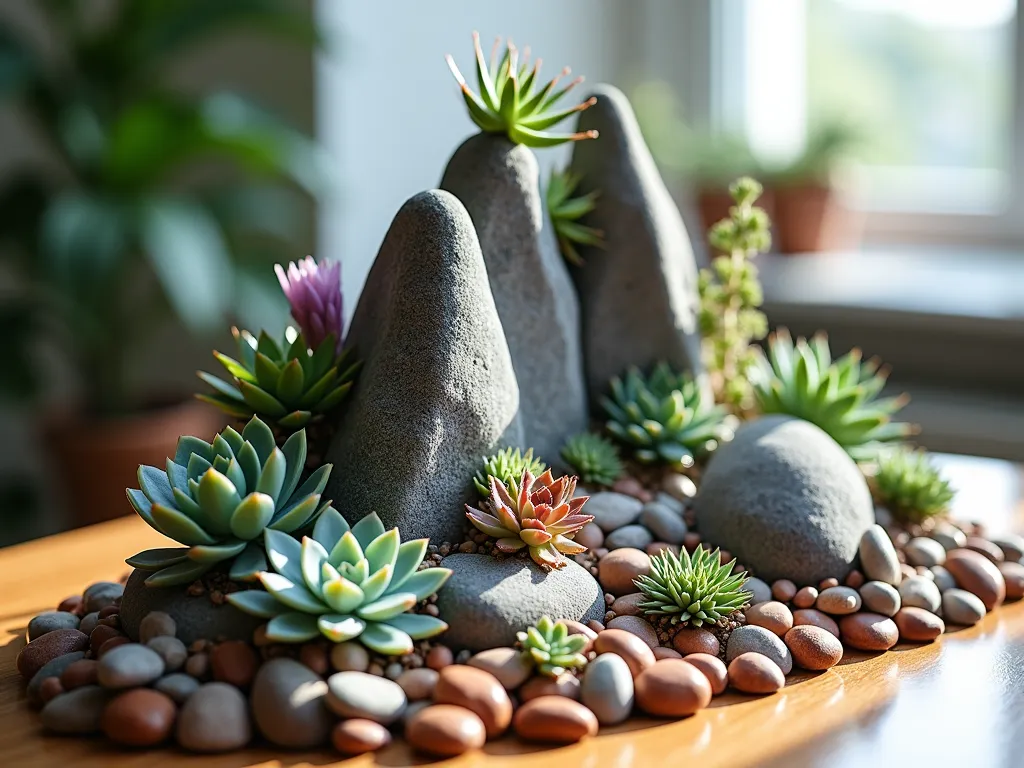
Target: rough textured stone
x=48, y=647
x=499, y=183
x=486, y=601
x=750, y=639
x=196, y=618
x=813, y=648
x=638, y=297
x=437, y=390
x=786, y=500
x=288, y=704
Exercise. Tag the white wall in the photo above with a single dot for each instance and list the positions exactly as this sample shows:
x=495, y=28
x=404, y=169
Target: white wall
x=391, y=113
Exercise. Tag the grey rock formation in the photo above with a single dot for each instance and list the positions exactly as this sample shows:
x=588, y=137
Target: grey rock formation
x=437, y=391
x=638, y=297
x=486, y=600
x=786, y=500
x=499, y=184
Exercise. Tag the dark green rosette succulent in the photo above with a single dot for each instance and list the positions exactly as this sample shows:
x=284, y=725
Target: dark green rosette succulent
x=594, y=458
x=692, y=589
x=566, y=211
x=800, y=379
x=287, y=384
x=346, y=584
x=218, y=498
x=507, y=466
x=910, y=486
x=664, y=417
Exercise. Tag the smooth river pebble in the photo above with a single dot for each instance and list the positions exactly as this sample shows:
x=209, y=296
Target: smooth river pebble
x=445, y=730
x=139, y=718
x=880, y=597
x=128, y=666
x=814, y=648
x=607, y=689
x=878, y=556
x=839, y=601
x=918, y=625
x=214, y=719
x=359, y=694
x=759, y=640
x=636, y=653
x=672, y=688
x=869, y=631
x=554, y=719
x=920, y=592
x=479, y=692
x=755, y=673
x=978, y=575
x=962, y=607
x=288, y=704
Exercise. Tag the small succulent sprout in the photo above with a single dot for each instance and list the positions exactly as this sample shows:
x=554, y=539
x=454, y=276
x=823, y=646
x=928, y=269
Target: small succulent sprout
x=665, y=417
x=512, y=100
x=907, y=484
x=217, y=499
x=692, y=589
x=289, y=385
x=314, y=293
x=536, y=512
x=594, y=458
x=566, y=211
x=551, y=649
x=344, y=583
x=800, y=379
x=507, y=465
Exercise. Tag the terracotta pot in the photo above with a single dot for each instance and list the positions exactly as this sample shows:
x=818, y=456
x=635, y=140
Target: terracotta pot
x=714, y=204
x=811, y=218
x=96, y=459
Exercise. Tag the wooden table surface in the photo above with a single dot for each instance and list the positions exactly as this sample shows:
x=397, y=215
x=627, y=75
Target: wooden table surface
x=959, y=701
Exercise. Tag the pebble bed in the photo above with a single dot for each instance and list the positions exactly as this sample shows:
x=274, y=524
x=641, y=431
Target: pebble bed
x=87, y=677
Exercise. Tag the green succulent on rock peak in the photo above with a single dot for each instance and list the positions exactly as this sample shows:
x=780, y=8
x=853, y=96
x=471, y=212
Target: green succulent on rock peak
x=692, y=589
x=507, y=465
x=664, y=417
x=594, y=458
x=800, y=379
x=566, y=211
x=218, y=499
x=512, y=101
x=287, y=384
x=344, y=583
x=910, y=486
x=551, y=649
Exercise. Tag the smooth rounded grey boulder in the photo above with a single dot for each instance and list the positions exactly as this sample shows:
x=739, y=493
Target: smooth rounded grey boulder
x=786, y=500
x=486, y=600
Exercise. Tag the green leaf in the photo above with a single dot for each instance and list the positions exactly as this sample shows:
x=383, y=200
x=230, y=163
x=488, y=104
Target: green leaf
x=235, y=368
x=330, y=527
x=342, y=595
x=291, y=382
x=155, y=559
x=334, y=398
x=256, y=603
x=312, y=560
x=271, y=481
x=291, y=594
x=215, y=553
x=294, y=450
x=261, y=401
x=292, y=628
x=218, y=498
x=284, y=554
x=177, y=526
x=426, y=582
x=189, y=446
x=267, y=373
x=261, y=437
x=346, y=550
x=386, y=607
x=297, y=515
x=410, y=555
x=252, y=515
x=377, y=584
x=250, y=564
x=417, y=626
x=184, y=572
x=368, y=529
x=386, y=640
x=383, y=550
x=338, y=628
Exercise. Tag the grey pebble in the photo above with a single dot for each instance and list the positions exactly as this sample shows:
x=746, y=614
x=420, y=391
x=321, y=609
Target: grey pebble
x=78, y=711
x=50, y=621
x=101, y=594
x=607, y=689
x=1012, y=546
x=129, y=666
x=635, y=536
x=613, y=510
x=878, y=557
x=759, y=590
x=288, y=704
x=925, y=552
x=943, y=579
x=156, y=624
x=838, y=601
x=664, y=522
x=670, y=501
x=949, y=536
x=171, y=650
x=759, y=640
x=52, y=668
x=89, y=622
x=178, y=686
x=359, y=694
x=962, y=607
x=920, y=592
x=880, y=597
x=214, y=719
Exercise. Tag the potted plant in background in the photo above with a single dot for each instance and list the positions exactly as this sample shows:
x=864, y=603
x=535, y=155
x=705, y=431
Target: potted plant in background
x=157, y=206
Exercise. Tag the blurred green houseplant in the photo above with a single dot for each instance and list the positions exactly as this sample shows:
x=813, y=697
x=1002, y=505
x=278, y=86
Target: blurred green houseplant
x=155, y=208
x=131, y=231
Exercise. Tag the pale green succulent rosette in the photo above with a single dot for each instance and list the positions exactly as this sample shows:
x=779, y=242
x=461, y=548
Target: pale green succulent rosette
x=551, y=649
x=695, y=589
x=507, y=466
x=346, y=584
x=218, y=498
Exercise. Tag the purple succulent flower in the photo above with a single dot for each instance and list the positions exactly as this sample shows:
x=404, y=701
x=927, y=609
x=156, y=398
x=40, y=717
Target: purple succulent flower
x=314, y=292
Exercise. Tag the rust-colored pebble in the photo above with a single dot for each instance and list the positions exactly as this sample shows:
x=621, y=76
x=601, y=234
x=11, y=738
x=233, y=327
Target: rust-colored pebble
x=439, y=657
x=783, y=590
x=713, y=668
x=445, y=730
x=139, y=718
x=1013, y=575
x=479, y=692
x=986, y=548
x=638, y=626
x=111, y=644
x=978, y=575
x=753, y=673
x=854, y=579
x=234, y=662
x=634, y=651
x=661, y=652
x=100, y=635
x=48, y=647
x=772, y=615
x=566, y=685
x=554, y=719
x=815, y=618
x=828, y=583
x=357, y=736
x=868, y=631
x=73, y=604
x=316, y=657
x=79, y=673
x=916, y=625
x=805, y=597
x=108, y=611
x=813, y=648
x=696, y=640
x=672, y=688
x=50, y=688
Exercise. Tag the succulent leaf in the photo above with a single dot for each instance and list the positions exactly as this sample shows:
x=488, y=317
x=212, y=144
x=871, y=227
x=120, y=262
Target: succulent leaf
x=594, y=458
x=507, y=465
x=800, y=379
x=551, y=649
x=565, y=212
x=353, y=583
x=907, y=484
x=692, y=589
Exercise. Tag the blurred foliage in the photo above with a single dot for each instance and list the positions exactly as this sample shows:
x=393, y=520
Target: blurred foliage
x=135, y=228
x=710, y=159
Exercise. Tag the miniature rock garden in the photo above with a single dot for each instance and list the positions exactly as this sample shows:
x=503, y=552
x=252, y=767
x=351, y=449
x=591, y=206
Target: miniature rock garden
x=548, y=480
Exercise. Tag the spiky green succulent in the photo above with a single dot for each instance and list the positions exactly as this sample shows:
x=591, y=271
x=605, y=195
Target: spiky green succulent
x=288, y=385
x=594, y=458
x=910, y=486
x=346, y=584
x=664, y=418
x=800, y=379
x=217, y=499
x=513, y=102
x=692, y=589
x=551, y=649
x=507, y=465
x=566, y=211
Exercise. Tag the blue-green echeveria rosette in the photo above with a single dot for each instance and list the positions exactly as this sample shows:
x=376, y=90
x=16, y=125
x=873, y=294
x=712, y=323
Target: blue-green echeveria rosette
x=346, y=584
x=218, y=498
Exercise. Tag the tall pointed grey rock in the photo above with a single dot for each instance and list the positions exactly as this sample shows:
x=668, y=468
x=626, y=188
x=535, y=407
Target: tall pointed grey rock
x=499, y=183
x=437, y=391
x=638, y=296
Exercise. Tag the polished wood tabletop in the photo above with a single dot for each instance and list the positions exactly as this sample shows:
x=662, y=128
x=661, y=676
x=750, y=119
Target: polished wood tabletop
x=958, y=701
